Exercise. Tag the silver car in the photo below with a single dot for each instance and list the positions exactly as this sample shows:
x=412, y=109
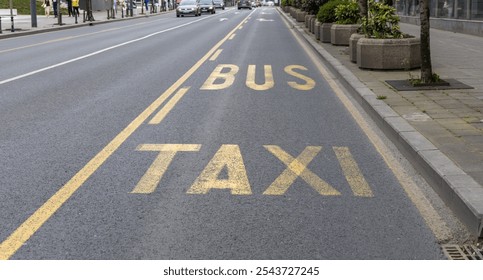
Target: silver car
x=188, y=7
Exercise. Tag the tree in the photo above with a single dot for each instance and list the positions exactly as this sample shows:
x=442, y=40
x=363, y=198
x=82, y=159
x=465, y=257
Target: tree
x=426, y=67
x=363, y=8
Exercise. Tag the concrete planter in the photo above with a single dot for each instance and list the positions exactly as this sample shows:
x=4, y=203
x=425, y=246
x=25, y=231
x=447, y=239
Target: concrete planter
x=312, y=24
x=308, y=18
x=293, y=12
x=341, y=33
x=301, y=16
x=389, y=54
x=286, y=9
x=325, y=32
x=353, y=46
x=317, y=30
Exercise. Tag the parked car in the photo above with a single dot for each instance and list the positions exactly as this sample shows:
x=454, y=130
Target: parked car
x=207, y=6
x=219, y=4
x=244, y=4
x=188, y=7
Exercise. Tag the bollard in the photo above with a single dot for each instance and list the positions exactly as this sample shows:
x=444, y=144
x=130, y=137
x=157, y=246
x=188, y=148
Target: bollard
x=0, y=25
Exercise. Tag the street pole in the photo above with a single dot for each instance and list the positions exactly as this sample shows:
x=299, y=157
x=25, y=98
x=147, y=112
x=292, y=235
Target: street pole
x=59, y=13
x=11, y=15
x=33, y=13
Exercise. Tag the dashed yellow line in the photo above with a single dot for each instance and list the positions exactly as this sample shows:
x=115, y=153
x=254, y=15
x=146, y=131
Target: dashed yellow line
x=215, y=56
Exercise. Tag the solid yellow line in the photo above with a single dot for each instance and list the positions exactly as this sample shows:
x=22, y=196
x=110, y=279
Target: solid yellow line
x=159, y=117
x=215, y=56
x=23, y=233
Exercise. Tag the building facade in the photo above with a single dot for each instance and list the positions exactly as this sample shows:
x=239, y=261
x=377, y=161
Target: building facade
x=464, y=16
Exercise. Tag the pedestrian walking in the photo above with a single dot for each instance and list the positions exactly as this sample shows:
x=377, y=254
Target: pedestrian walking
x=75, y=7
x=46, y=5
x=146, y=5
x=69, y=7
x=54, y=3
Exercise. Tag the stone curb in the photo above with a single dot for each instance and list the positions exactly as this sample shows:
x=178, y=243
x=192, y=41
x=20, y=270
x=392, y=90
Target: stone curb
x=458, y=190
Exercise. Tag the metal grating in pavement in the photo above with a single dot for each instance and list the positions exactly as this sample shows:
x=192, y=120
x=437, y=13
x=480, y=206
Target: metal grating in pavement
x=462, y=252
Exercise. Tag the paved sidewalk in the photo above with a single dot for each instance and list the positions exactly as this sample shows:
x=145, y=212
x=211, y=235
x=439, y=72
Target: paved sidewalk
x=452, y=120
x=23, y=23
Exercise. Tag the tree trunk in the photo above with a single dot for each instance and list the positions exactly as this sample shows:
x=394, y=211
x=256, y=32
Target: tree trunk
x=363, y=8
x=426, y=67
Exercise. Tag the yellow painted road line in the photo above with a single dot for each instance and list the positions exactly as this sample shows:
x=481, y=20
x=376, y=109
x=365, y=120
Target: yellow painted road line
x=424, y=206
x=352, y=173
x=297, y=167
x=232, y=36
x=215, y=56
x=29, y=227
x=159, y=117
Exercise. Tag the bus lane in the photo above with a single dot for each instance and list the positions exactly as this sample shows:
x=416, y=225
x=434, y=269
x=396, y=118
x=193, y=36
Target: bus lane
x=249, y=155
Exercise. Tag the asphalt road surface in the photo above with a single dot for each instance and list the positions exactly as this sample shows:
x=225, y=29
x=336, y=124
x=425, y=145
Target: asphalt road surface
x=212, y=137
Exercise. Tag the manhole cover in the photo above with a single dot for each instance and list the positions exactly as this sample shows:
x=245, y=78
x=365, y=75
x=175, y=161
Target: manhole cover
x=464, y=252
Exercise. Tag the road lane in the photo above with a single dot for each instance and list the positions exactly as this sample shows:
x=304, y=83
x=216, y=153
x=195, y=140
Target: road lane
x=256, y=159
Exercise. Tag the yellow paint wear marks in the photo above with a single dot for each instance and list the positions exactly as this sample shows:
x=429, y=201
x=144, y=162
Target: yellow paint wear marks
x=232, y=36
x=240, y=28
x=227, y=157
x=251, y=73
x=159, y=117
x=220, y=74
x=309, y=83
x=429, y=214
x=151, y=178
x=297, y=167
x=23, y=233
x=352, y=172
x=215, y=56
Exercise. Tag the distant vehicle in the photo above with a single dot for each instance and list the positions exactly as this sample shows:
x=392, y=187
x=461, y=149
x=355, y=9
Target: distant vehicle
x=254, y=4
x=268, y=3
x=188, y=7
x=244, y=4
x=219, y=4
x=207, y=6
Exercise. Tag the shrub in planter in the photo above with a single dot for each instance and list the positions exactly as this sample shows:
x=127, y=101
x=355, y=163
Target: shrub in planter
x=381, y=22
x=326, y=13
x=312, y=6
x=347, y=23
x=326, y=17
x=384, y=46
x=347, y=13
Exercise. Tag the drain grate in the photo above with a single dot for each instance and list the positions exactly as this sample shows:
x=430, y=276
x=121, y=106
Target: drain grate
x=462, y=252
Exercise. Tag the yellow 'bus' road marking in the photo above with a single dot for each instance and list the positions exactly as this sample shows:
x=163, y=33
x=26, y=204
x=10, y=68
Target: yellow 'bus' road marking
x=33, y=223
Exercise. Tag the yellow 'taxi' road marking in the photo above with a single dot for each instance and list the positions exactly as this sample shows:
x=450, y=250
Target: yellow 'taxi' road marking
x=297, y=167
x=352, y=172
x=151, y=178
x=23, y=233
